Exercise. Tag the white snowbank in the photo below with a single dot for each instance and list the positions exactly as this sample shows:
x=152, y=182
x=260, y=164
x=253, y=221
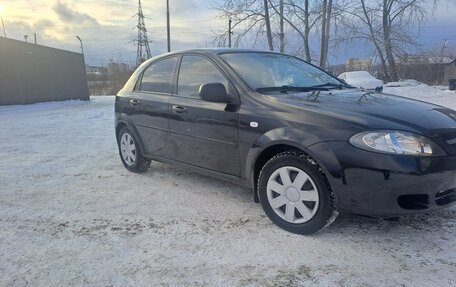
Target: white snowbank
x=404, y=83
x=439, y=95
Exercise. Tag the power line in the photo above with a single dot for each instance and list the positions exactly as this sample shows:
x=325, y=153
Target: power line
x=143, y=49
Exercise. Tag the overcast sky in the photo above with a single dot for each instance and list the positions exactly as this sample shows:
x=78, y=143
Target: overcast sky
x=107, y=26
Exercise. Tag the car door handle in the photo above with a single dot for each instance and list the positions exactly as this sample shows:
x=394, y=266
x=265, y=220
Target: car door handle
x=134, y=103
x=178, y=109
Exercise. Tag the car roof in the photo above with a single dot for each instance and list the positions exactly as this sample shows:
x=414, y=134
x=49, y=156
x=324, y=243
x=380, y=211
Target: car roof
x=357, y=74
x=211, y=52
x=204, y=51
x=219, y=51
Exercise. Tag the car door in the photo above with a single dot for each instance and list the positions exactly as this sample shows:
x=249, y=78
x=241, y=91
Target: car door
x=203, y=133
x=150, y=104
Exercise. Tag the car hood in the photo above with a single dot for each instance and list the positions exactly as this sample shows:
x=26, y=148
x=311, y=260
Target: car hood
x=372, y=110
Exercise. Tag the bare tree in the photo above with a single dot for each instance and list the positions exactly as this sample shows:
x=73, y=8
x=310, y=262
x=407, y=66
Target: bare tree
x=281, y=33
x=360, y=23
x=268, y=25
x=308, y=25
x=325, y=31
x=250, y=18
x=301, y=18
x=262, y=20
x=397, y=14
x=390, y=26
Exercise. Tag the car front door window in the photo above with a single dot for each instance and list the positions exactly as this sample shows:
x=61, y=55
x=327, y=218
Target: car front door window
x=194, y=72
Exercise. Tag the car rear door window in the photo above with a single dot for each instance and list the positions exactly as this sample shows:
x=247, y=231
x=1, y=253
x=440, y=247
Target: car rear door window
x=195, y=71
x=158, y=77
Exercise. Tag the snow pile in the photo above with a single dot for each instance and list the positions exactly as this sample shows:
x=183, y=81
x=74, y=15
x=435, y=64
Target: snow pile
x=439, y=95
x=361, y=79
x=404, y=83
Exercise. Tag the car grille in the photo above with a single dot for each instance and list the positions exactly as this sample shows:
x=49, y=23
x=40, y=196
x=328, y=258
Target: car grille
x=421, y=201
x=413, y=201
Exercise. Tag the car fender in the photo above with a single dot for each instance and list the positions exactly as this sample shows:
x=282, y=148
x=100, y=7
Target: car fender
x=123, y=119
x=289, y=136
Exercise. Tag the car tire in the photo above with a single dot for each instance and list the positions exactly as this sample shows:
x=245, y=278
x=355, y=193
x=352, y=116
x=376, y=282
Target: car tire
x=295, y=194
x=129, y=152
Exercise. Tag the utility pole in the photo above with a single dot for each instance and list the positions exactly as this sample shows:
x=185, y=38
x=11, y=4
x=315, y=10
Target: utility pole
x=229, y=33
x=34, y=36
x=445, y=41
x=168, y=32
x=82, y=47
x=3, y=25
x=143, y=50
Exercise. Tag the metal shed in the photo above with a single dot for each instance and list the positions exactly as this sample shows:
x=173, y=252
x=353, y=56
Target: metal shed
x=31, y=73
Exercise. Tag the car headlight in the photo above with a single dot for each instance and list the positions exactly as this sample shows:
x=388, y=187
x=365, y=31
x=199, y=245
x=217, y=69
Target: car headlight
x=396, y=142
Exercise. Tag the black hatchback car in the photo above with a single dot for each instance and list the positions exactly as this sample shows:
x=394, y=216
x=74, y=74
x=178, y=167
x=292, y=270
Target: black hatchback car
x=308, y=145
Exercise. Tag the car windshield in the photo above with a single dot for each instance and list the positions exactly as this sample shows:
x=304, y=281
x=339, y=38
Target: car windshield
x=269, y=71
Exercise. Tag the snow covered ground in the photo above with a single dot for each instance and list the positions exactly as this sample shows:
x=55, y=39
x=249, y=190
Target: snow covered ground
x=71, y=215
x=439, y=95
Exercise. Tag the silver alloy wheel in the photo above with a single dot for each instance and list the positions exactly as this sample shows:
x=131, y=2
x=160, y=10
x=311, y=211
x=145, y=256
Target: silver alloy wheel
x=128, y=149
x=292, y=194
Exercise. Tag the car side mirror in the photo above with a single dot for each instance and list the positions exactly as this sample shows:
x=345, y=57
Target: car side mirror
x=213, y=92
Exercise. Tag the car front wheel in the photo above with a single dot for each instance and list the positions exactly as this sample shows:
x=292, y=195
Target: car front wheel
x=129, y=152
x=295, y=195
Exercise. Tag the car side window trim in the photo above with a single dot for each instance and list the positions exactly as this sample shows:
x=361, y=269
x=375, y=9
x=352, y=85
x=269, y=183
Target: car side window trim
x=137, y=87
x=176, y=74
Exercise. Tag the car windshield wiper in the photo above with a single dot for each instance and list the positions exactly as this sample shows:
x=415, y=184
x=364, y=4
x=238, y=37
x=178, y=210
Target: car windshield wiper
x=325, y=85
x=287, y=88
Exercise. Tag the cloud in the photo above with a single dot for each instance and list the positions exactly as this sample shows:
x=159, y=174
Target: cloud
x=67, y=13
x=106, y=27
x=43, y=24
x=20, y=24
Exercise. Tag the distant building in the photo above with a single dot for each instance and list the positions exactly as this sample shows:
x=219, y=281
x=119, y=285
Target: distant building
x=93, y=70
x=31, y=73
x=450, y=71
x=424, y=59
x=97, y=79
x=358, y=64
x=107, y=80
x=431, y=70
x=118, y=68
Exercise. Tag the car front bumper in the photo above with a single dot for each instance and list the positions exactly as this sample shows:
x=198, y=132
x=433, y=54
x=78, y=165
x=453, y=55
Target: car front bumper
x=384, y=185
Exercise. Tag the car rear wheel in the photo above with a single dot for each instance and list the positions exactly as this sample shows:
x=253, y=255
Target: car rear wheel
x=295, y=194
x=129, y=152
